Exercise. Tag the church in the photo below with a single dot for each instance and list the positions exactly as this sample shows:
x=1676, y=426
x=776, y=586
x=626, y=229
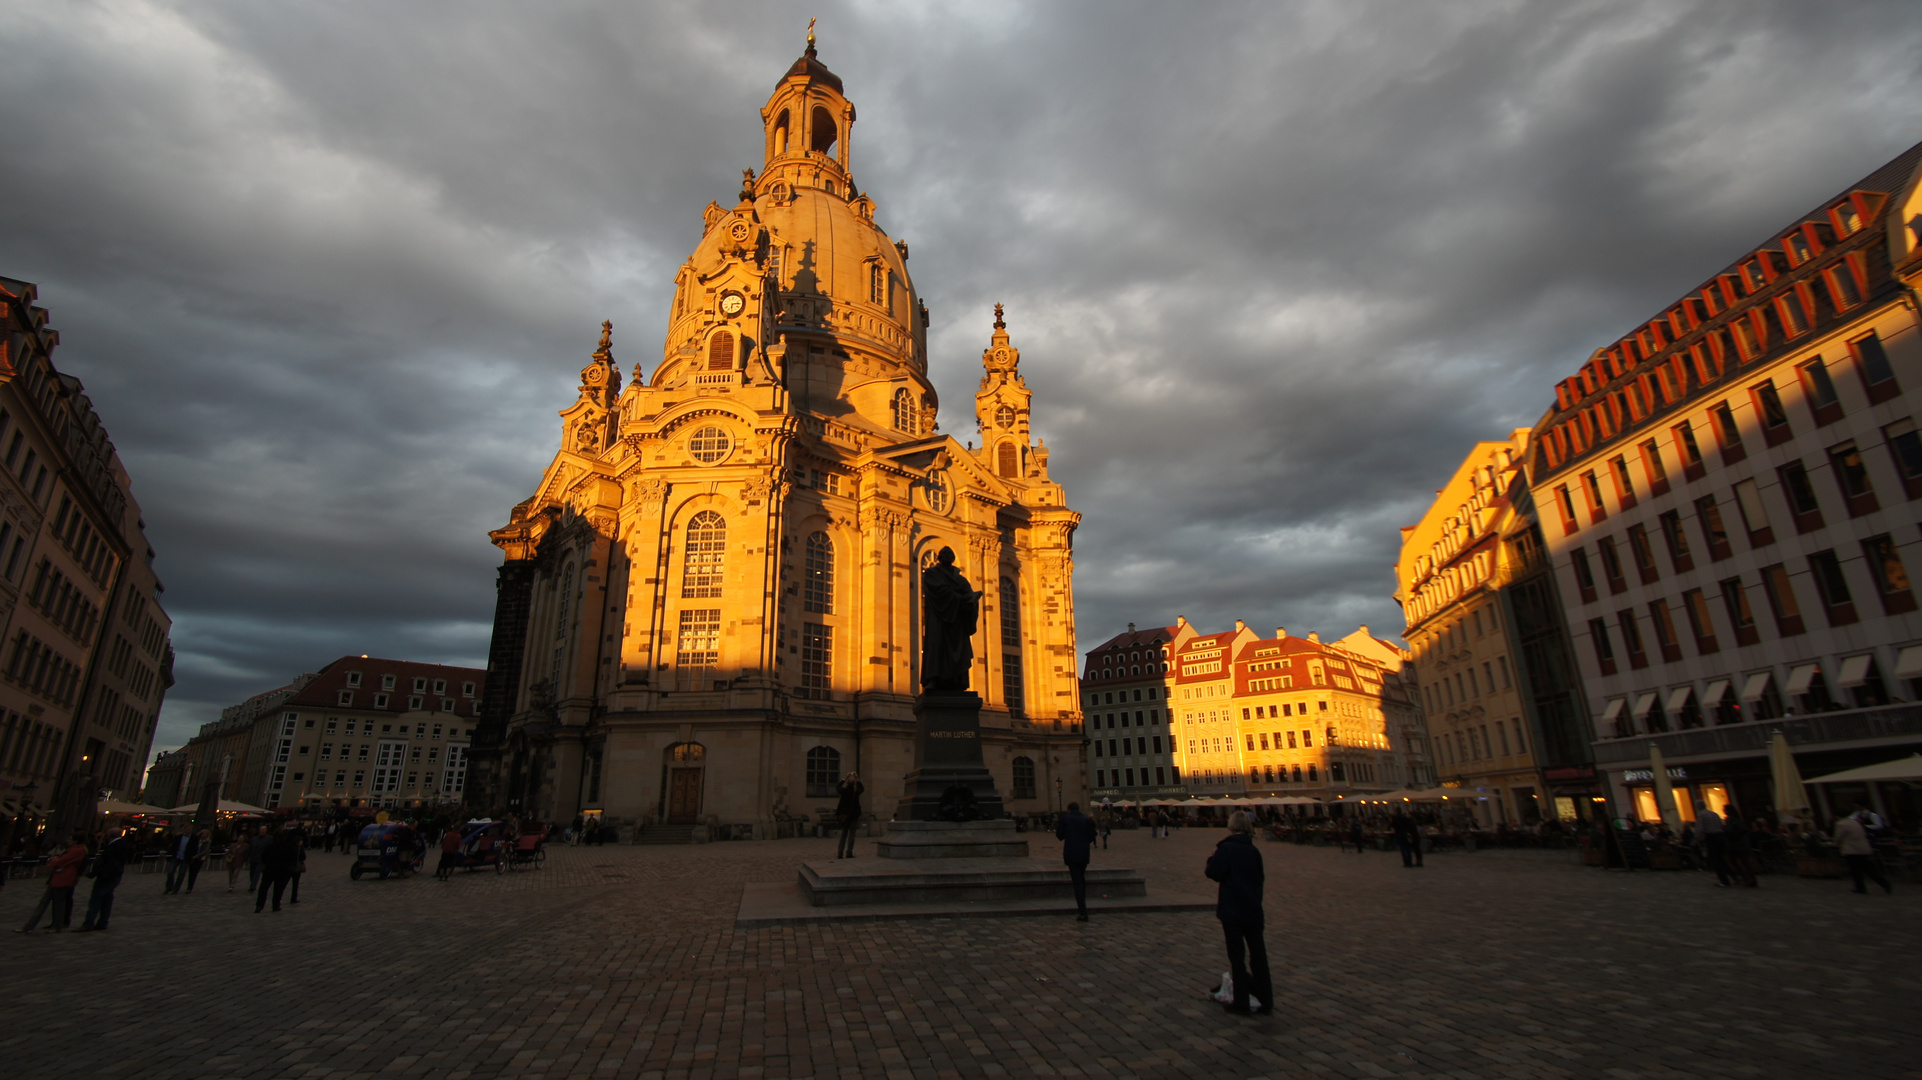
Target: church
x=709, y=609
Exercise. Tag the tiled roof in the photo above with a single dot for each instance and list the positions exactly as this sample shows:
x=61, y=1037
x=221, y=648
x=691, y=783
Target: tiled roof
x=324, y=691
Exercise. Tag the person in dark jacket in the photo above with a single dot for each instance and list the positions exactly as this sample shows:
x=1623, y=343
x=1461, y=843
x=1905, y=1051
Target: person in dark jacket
x=108, y=867
x=1076, y=832
x=1741, y=848
x=848, y=813
x=182, y=848
x=1407, y=838
x=256, y=850
x=1237, y=866
x=63, y=873
x=277, y=862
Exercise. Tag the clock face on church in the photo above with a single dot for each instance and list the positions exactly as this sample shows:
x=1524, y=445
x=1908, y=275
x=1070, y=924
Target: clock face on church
x=732, y=303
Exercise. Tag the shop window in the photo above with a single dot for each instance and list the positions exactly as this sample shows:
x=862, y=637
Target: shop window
x=1800, y=494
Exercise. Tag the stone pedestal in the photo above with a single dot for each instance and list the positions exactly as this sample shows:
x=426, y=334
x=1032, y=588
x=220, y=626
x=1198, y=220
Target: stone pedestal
x=947, y=757
x=952, y=840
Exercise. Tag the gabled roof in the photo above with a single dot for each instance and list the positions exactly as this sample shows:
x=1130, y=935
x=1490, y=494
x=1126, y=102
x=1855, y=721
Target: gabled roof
x=324, y=691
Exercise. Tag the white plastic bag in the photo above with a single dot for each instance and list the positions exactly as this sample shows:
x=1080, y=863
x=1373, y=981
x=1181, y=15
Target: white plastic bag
x=1226, y=995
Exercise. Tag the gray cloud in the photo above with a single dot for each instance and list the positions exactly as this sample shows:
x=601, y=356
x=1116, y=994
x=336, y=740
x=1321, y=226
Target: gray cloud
x=328, y=272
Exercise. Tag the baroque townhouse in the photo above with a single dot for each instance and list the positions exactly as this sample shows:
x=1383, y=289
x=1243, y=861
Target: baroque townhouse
x=1125, y=694
x=1491, y=655
x=1730, y=495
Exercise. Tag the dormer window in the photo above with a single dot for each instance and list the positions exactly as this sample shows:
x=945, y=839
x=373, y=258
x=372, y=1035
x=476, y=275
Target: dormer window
x=440, y=686
x=420, y=684
x=1846, y=219
x=353, y=678
x=386, y=682
x=1752, y=274
x=1797, y=247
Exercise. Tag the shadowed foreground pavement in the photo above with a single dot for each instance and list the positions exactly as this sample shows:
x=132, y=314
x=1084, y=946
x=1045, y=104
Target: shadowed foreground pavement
x=625, y=962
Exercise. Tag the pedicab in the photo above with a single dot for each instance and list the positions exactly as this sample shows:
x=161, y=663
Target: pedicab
x=528, y=849
x=481, y=843
x=390, y=849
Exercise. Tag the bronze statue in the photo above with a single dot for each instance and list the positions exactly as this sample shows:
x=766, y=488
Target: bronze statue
x=949, y=611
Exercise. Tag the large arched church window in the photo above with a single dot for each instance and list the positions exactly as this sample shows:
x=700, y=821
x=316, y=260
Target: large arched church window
x=1008, y=460
x=1011, y=687
x=817, y=589
x=705, y=557
x=904, y=411
x=823, y=772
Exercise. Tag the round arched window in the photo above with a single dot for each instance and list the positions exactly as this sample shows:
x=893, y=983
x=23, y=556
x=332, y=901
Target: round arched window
x=1004, y=416
x=709, y=445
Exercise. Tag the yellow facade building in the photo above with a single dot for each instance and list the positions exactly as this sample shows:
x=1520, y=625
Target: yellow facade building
x=709, y=608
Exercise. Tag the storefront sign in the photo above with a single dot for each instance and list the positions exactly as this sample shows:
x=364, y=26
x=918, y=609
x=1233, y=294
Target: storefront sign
x=1647, y=776
x=1569, y=772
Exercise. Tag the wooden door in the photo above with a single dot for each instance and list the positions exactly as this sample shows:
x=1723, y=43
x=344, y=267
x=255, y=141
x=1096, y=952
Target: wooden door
x=683, y=796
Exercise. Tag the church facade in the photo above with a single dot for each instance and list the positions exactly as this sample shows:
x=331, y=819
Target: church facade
x=708, y=610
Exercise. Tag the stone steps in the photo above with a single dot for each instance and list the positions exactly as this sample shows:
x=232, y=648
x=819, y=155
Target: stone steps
x=897, y=881
x=665, y=834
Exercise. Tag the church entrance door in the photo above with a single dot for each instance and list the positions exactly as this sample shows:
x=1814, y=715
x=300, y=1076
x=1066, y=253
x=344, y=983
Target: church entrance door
x=683, y=796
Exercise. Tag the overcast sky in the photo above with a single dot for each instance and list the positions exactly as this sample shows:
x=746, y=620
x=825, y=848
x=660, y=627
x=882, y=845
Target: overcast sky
x=329, y=271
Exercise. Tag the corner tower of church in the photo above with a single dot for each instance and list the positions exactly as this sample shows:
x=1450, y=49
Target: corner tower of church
x=708, y=610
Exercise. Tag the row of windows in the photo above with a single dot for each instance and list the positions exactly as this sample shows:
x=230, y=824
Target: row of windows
x=1753, y=697
x=1130, y=746
x=415, y=702
x=824, y=774
x=446, y=782
x=1466, y=684
x=63, y=602
x=1153, y=716
x=387, y=682
x=1473, y=743
x=87, y=547
x=1258, y=712
x=1879, y=555
x=28, y=747
x=1126, y=777
x=36, y=667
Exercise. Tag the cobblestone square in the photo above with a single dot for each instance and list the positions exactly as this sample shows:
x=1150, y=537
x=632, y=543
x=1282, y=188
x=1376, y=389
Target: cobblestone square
x=625, y=962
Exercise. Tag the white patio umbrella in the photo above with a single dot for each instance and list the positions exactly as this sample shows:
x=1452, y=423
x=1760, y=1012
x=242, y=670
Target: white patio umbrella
x=1908, y=768
x=1664, y=791
x=1791, y=799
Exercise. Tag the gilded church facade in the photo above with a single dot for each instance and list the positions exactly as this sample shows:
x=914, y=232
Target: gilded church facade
x=709, y=608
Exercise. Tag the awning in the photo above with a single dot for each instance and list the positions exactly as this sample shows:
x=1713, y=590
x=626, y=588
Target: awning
x=1800, y=678
x=1855, y=671
x=1908, y=663
x=1716, y=691
x=1615, y=707
x=1756, y=686
x=1678, y=698
x=1908, y=768
x=1642, y=706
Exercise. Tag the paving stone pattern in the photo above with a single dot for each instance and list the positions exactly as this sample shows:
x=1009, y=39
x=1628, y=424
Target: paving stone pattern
x=625, y=962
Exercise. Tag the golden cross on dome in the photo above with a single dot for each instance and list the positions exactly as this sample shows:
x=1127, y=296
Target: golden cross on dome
x=998, y=323
x=810, y=33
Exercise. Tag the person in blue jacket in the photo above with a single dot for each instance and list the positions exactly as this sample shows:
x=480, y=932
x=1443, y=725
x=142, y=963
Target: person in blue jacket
x=1237, y=866
x=1076, y=832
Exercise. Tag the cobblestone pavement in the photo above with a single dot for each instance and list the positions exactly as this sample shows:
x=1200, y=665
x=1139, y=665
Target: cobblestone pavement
x=625, y=962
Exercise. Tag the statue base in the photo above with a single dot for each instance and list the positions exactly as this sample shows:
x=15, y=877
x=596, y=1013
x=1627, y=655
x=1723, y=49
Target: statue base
x=950, y=779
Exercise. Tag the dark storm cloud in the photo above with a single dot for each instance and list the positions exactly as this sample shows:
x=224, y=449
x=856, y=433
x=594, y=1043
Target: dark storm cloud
x=328, y=272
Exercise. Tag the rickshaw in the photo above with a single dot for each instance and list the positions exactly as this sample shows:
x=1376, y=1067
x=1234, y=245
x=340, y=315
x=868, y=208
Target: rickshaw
x=389, y=849
x=481, y=844
x=528, y=849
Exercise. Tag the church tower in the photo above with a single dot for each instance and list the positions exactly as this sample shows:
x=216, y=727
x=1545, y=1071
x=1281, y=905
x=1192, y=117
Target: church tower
x=708, y=610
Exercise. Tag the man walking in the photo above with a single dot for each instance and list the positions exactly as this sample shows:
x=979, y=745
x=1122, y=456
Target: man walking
x=1708, y=824
x=1076, y=833
x=277, y=862
x=848, y=813
x=1407, y=838
x=108, y=868
x=182, y=849
x=256, y=848
x=1741, y=848
x=1852, y=838
x=1236, y=864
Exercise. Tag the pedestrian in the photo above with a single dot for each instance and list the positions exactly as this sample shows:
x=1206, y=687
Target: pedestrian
x=108, y=867
x=1852, y=838
x=449, y=853
x=1236, y=864
x=1407, y=838
x=300, y=859
x=1714, y=835
x=203, y=843
x=181, y=847
x=848, y=813
x=1741, y=848
x=277, y=861
x=256, y=847
x=63, y=873
x=1076, y=833
x=1107, y=826
x=1354, y=833
x=237, y=858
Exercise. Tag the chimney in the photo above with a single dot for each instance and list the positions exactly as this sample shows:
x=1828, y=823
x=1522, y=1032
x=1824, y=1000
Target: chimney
x=1240, y=626
x=1131, y=628
x=1281, y=633
x=1364, y=631
x=1314, y=636
x=1181, y=620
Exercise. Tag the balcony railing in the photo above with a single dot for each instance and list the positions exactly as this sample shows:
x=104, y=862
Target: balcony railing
x=1885, y=723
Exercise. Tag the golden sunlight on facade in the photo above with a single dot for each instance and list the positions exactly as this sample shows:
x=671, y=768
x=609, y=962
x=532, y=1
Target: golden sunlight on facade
x=709, y=608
